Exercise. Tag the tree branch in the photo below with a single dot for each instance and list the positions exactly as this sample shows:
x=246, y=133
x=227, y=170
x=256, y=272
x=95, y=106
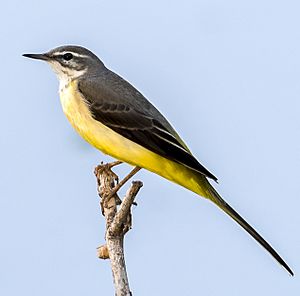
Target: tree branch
x=121, y=217
x=118, y=222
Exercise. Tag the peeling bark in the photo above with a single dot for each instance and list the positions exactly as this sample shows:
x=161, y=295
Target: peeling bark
x=118, y=221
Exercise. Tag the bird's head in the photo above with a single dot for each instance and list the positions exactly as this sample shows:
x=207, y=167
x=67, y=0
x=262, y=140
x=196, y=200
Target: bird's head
x=70, y=62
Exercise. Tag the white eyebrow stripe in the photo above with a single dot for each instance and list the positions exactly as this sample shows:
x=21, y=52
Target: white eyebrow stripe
x=75, y=54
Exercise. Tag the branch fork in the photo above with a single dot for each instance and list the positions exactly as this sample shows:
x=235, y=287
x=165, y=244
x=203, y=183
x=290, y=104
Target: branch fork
x=118, y=220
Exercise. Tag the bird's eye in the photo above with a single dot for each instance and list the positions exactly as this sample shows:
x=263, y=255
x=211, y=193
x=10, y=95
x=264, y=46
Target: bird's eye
x=67, y=56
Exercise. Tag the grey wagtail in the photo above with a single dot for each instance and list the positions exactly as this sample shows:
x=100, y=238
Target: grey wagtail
x=110, y=114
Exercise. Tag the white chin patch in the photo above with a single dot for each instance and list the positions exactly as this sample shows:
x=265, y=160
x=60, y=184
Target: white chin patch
x=64, y=74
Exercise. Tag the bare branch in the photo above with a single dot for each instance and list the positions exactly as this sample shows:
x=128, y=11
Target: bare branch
x=124, y=210
x=117, y=222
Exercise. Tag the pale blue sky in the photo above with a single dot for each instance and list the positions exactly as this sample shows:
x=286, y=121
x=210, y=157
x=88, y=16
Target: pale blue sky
x=227, y=75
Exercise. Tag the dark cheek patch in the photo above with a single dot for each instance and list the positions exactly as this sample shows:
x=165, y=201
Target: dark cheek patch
x=78, y=66
x=74, y=64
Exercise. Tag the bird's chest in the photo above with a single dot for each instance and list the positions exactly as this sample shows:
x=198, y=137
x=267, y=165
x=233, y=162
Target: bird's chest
x=73, y=105
x=76, y=110
x=80, y=117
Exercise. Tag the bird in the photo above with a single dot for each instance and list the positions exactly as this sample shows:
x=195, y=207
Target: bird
x=114, y=117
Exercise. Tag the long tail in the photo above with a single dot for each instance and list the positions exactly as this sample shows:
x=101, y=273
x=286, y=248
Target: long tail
x=217, y=199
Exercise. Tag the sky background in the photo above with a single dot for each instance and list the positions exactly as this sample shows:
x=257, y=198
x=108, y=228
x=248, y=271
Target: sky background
x=227, y=76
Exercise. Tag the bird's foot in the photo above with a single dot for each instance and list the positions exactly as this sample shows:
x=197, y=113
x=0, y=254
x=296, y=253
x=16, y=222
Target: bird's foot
x=113, y=181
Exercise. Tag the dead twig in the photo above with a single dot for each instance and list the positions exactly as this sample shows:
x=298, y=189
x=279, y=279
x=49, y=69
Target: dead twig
x=118, y=222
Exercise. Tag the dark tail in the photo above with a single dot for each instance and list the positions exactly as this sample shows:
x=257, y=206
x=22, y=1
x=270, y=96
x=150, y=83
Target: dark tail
x=217, y=199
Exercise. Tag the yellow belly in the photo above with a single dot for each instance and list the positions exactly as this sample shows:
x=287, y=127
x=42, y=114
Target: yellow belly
x=111, y=143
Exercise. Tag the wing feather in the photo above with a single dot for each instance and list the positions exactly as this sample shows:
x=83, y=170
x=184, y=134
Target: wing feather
x=116, y=104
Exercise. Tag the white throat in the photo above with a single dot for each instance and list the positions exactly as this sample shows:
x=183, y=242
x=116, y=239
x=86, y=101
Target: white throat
x=65, y=75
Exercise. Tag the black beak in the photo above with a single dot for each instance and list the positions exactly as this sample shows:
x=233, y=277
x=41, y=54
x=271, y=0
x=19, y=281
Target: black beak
x=43, y=56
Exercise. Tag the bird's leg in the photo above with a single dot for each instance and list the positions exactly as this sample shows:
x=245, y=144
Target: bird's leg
x=122, y=182
x=114, y=163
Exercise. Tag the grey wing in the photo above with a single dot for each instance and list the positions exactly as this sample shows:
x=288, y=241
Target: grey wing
x=119, y=106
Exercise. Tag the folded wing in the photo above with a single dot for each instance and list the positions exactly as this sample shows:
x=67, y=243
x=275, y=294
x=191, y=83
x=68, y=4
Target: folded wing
x=118, y=110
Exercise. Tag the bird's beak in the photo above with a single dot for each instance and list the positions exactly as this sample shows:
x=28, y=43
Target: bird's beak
x=43, y=56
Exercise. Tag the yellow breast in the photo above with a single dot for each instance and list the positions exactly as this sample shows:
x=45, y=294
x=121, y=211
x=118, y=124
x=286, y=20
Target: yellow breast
x=111, y=143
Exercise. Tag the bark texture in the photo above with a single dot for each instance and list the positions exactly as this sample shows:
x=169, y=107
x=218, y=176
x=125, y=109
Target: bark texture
x=117, y=215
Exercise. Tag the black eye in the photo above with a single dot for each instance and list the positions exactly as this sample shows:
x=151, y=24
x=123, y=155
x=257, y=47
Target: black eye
x=67, y=56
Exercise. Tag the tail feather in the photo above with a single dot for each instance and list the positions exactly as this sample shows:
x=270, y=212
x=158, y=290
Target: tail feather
x=217, y=199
